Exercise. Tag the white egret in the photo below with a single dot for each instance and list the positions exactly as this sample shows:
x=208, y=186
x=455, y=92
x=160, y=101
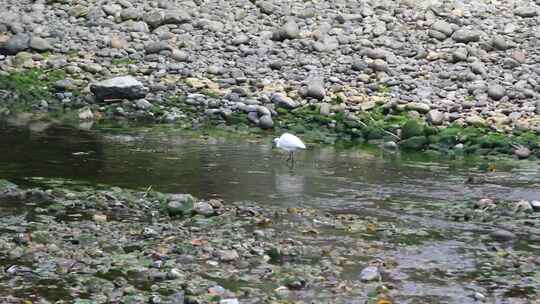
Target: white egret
x=289, y=143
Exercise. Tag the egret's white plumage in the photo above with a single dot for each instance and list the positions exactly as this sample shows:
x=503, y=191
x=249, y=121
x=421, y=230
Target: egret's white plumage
x=289, y=143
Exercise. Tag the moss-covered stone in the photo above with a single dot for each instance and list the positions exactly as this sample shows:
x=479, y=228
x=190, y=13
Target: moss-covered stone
x=491, y=141
x=180, y=205
x=412, y=128
x=414, y=143
x=373, y=133
x=5, y=184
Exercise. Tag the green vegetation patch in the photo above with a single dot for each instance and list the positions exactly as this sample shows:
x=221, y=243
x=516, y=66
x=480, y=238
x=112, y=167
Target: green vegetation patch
x=29, y=86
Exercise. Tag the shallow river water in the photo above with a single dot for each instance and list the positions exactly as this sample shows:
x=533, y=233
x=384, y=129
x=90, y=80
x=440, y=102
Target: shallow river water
x=392, y=187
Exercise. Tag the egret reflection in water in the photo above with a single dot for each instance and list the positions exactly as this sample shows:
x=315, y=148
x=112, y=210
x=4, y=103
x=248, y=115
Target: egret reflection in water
x=290, y=184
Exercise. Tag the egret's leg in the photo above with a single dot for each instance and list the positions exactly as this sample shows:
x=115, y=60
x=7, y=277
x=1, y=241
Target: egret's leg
x=291, y=158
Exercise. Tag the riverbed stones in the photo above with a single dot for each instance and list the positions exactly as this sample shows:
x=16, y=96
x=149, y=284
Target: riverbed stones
x=124, y=87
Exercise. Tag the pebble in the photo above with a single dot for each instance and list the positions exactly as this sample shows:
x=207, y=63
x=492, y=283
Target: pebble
x=496, y=91
x=227, y=255
x=502, y=235
x=480, y=297
x=203, y=208
x=475, y=120
x=390, y=145
x=289, y=30
x=443, y=27
x=39, y=44
x=466, y=36
x=86, y=114
x=478, y=67
x=370, y=273
x=315, y=88
x=324, y=109
x=526, y=11
x=499, y=43
x=435, y=117
x=143, y=104
x=266, y=122
x=535, y=205
x=484, y=203
x=523, y=206
x=418, y=106
x=284, y=101
x=522, y=152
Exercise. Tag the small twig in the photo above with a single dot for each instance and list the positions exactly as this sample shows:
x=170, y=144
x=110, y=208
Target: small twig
x=147, y=191
x=374, y=121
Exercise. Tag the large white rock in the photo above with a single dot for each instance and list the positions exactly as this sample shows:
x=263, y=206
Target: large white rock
x=124, y=87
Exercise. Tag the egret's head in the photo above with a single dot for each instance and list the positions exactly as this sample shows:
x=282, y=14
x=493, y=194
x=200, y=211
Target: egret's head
x=276, y=141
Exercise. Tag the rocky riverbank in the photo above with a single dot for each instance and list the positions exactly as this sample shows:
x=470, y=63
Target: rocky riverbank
x=69, y=243
x=339, y=69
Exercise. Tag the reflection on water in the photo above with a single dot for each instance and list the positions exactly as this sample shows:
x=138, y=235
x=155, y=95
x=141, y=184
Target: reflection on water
x=289, y=184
